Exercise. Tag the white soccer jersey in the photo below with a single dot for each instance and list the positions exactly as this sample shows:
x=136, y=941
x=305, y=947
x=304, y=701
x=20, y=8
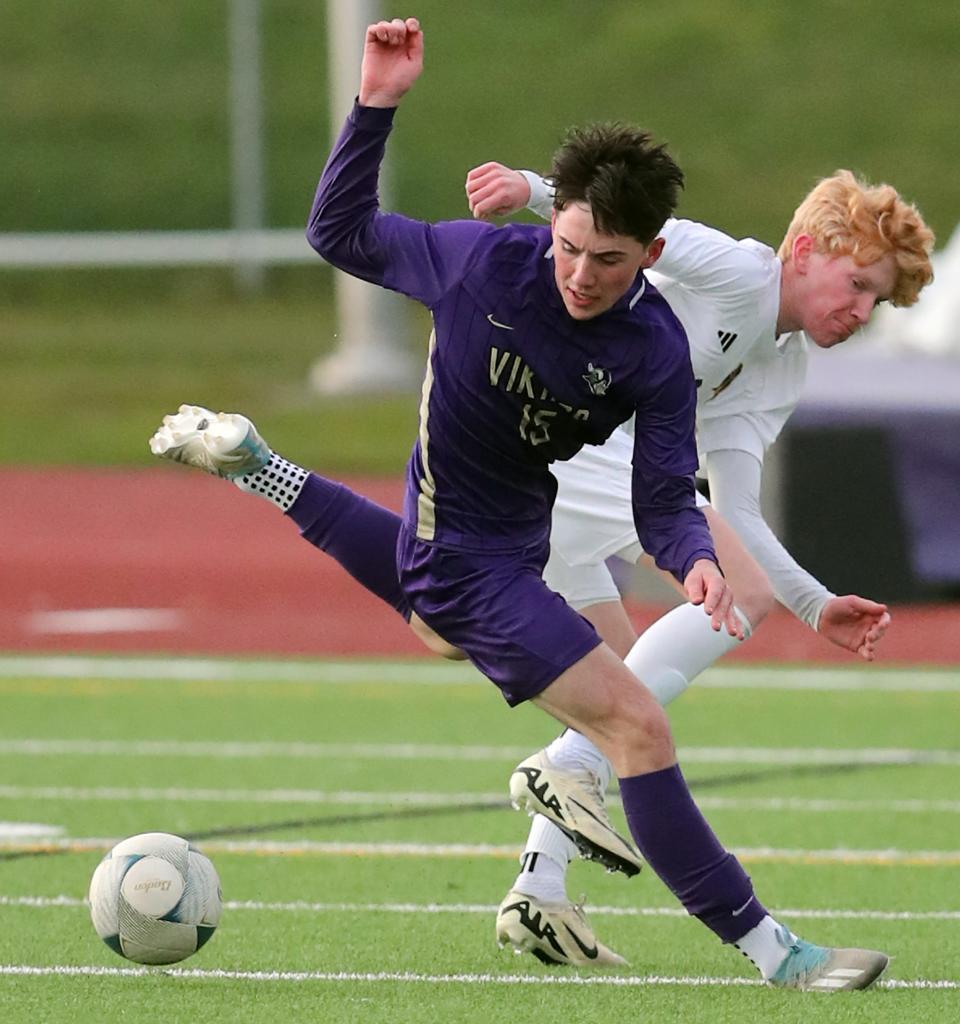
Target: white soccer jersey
x=726, y=293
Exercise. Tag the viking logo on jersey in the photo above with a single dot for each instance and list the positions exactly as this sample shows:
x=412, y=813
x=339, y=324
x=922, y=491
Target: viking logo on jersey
x=598, y=380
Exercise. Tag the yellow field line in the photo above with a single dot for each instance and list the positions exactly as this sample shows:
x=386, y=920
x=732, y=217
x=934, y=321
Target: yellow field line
x=309, y=848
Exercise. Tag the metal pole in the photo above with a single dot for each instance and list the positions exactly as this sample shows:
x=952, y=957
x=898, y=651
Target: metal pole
x=246, y=133
x=372, y=353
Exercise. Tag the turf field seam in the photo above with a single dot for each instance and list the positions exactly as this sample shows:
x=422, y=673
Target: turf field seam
x=348, y=798
x=435, y=672
x=307, y=907
x=412, y=977
x=303, y=848
x=48, y=747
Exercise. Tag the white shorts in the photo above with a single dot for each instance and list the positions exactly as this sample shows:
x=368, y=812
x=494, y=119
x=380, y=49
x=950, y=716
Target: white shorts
x=593, y=521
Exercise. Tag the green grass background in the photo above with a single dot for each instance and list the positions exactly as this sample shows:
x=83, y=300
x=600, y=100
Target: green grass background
x=371, y=711
x=114, y=118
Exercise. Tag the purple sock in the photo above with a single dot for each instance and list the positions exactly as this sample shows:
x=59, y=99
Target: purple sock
x=359, y=534
x=680, y=846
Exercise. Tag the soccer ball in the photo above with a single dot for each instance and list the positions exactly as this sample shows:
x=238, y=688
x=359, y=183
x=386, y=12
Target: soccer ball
x=155, y=899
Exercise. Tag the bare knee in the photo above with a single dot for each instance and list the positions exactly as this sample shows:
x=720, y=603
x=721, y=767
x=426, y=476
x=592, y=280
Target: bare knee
x=637, y=739
x=600, y=698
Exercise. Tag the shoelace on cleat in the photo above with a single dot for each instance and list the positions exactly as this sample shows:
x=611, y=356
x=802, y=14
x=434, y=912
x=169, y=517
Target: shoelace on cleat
x=803, y=960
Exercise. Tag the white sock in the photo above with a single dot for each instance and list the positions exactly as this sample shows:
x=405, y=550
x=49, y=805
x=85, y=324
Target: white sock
x=571, y=750
x=544, y=862
x=767, y=945
x=279, y=481
x=671, y=653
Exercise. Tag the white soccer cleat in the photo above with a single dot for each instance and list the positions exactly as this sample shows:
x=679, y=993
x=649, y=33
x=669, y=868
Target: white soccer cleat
x=811, y=968
x=224, y=443
x=555, y=933
x=574, y=802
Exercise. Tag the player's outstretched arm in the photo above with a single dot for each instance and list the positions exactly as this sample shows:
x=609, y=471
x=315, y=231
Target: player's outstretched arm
x=494, y=190
x=704, y=584
x=854, y=623
x=392, y=61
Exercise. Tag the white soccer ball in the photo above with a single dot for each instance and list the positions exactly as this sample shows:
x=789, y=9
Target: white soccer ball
x=155, y=899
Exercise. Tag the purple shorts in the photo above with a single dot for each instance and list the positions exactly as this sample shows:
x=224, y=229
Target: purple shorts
x=497, y=610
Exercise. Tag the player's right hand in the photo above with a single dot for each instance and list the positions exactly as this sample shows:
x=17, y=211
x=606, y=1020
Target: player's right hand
x=494, y=190
x=705, y=585
x=392, y=61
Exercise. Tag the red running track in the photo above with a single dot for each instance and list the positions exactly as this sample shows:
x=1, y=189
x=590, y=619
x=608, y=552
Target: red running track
x=200, y=568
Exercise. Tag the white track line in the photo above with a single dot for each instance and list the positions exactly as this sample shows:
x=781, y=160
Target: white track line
x=454, y=752
x=412, y=977
x=93, y=621
x=414, y=671
x=488, y=909
x=318, y=848
x=384, y=798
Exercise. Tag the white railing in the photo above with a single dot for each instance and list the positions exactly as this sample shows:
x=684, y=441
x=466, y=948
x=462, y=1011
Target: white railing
x=154, y=248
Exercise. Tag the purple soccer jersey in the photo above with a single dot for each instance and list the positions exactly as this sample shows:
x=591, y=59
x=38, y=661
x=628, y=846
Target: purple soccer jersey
x=513, y=382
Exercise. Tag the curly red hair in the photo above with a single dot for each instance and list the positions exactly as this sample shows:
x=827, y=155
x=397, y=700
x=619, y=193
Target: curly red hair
x=849, y=217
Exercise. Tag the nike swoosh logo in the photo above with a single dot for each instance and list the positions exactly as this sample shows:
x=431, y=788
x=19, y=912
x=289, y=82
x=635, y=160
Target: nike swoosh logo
x=738, y=912
x=599, y=821
x=590, y=952
x=496, y=323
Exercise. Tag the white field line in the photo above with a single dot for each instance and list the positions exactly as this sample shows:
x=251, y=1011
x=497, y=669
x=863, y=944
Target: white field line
x=456, y=752
x=488, y=909
x=28, y=830
x=319, y=848
x=109, y=794
x=92, y=621
x=384, y=798
x=412, y=977
x=413, y=671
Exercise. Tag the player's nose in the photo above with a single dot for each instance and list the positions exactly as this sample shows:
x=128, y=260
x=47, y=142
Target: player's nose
x=581, y=270
x=863, y=308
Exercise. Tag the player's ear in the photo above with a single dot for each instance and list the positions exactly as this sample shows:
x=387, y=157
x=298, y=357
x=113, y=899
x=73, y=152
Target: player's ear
x=800, y=252
x=654, y=249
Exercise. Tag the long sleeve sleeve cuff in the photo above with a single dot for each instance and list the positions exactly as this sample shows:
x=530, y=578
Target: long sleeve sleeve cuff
x=372, y=118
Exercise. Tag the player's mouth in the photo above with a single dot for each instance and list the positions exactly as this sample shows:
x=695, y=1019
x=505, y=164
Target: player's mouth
x=844, y=329
x=580, y=300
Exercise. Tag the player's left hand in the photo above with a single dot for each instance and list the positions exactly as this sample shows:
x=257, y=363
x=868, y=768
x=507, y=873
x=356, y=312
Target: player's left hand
x=494, y=190
x=705, y=585
x=855, y=624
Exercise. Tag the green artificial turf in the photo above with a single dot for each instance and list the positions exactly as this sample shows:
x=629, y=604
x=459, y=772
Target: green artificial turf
x=357, y=814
